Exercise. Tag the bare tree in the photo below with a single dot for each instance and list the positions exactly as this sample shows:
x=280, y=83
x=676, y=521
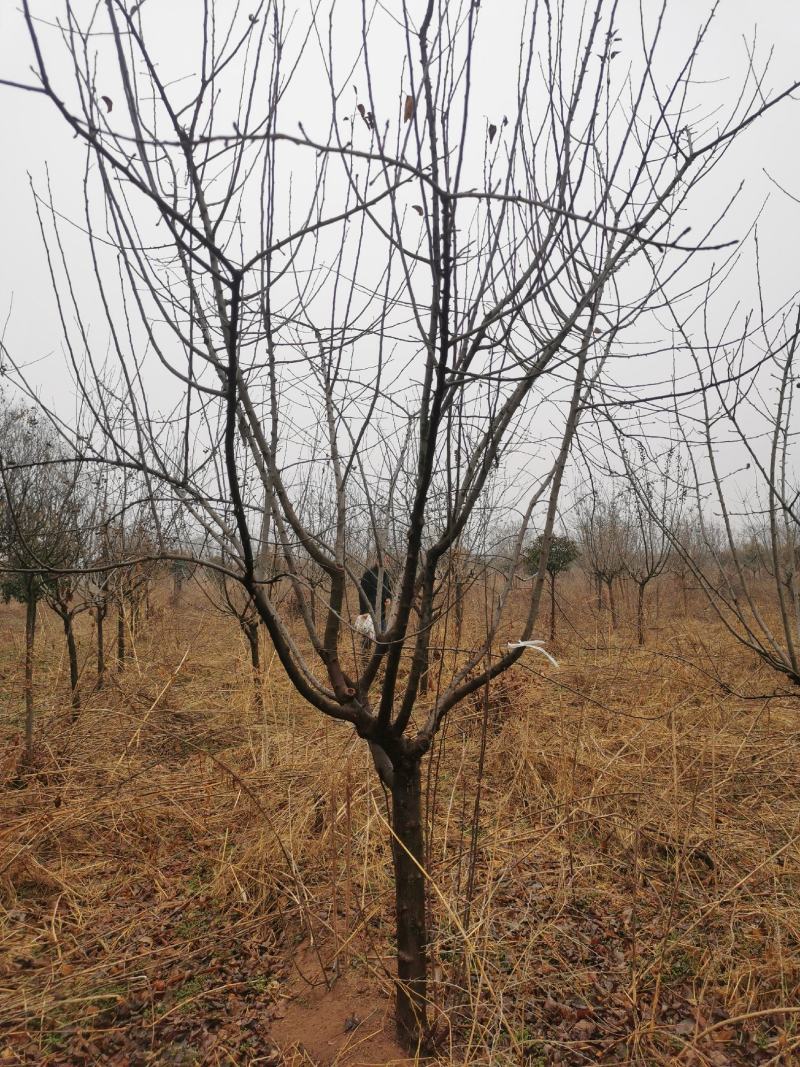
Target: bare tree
x=654, y=505
x=40, y=521
x=229, y=597
x=397, y=302
x=605, y=539
x=741, y=436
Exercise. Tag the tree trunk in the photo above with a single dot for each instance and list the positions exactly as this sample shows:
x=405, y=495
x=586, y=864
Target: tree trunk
x=640, y=615
x=599, y=587
x=30, y=636
x=412, y=949
x=612, y=603
x=424, y=674
x=133, y=614
x=72, y=653
x=552, y=607
x=459, y=612
x=251, y=633
x=120, y=636
x=99, y=617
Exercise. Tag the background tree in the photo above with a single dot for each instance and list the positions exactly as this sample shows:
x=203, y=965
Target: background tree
x=563, y=553
x=655, y=505
x=39, y=519
x=605, y=538
x=747, y=562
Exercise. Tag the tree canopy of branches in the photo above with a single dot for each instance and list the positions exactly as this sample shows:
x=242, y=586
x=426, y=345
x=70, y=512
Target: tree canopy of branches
x=747, y=562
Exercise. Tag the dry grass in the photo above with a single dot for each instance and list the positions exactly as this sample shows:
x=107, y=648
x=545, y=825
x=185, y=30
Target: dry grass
x=626, y=890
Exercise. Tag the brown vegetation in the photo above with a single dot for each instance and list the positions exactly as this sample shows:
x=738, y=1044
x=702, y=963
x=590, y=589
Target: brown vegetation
x=192, y=876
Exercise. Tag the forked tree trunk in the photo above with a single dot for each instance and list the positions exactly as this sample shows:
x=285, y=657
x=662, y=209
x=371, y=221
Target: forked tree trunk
x=412, y=948
x=99, y=618
x=30, y=637
x=72, y=654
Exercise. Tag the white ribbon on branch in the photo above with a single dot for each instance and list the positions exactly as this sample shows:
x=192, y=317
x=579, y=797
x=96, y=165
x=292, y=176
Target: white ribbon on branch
x=536, y=646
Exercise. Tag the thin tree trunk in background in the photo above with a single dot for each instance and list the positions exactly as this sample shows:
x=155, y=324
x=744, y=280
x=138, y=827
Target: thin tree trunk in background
x=177, y=586
x=612, y=604
x=252, y=633
x=640, y=615
x=72, y=653
x=30, y=636
x=99, y=617
x=412, y=955
x=459, y=611
x=552, y=607
x=120, y=636
x=599, y=588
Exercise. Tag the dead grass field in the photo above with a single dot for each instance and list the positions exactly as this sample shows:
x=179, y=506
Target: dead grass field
x=189, y=879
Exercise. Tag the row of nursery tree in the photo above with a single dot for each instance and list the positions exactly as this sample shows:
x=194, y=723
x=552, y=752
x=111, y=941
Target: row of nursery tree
x=78, y=539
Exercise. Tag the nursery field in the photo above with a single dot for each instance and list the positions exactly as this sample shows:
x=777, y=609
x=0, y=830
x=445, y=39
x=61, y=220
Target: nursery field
x=196, y=869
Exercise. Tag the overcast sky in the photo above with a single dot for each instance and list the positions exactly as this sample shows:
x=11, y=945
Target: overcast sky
x=34, y=137
x=36, y=141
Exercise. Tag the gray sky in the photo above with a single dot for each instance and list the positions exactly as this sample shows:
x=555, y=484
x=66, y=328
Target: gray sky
x=35, y=138
x=37, y=142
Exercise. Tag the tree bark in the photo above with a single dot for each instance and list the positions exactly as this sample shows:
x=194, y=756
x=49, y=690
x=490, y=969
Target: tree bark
x=72, y=653
x=412, y=949
x=640, y=615
x=30, y=636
